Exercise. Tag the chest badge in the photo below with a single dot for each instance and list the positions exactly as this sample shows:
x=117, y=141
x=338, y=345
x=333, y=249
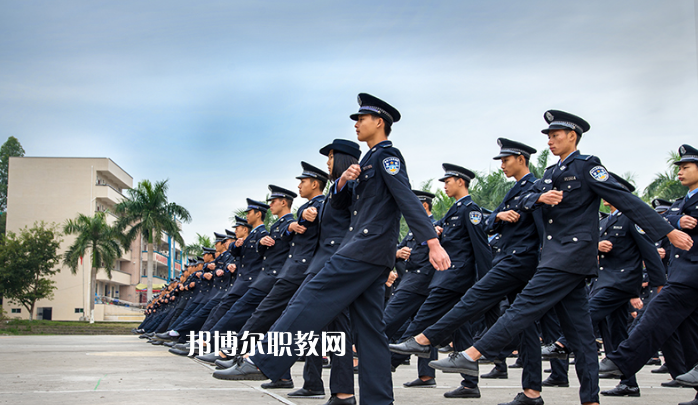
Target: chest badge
x=547, y=181
x=391, y=165
x=475, y=217
x=599, y=173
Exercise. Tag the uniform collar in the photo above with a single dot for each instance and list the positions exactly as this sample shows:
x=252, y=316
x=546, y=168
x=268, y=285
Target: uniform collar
x=614, y=213
x=383, y=144
x=526, y=177
x=317, y=197
x=467, y=197
x=691, y=193
x=257, y=227
x=570, y=156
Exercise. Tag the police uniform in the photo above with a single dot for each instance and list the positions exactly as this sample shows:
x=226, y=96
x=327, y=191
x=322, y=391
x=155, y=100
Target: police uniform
x=411, y=294
x=675, y=308
x=273, y=258
x=515, y=246
x=250, y=265
x=569, y=252
x=355, y=275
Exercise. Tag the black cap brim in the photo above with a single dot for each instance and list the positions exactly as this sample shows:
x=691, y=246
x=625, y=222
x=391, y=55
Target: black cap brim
x=501, y=155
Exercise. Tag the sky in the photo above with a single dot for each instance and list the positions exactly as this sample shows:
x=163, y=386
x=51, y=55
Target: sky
x=223, y=98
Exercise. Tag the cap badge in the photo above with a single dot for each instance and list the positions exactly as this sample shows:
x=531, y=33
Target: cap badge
x=475, y=217
x=599, y=173
x=549, y=116
x=682, y=150
x=391, y=165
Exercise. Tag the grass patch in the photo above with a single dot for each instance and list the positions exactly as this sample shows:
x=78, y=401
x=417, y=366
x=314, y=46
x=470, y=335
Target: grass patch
x=42, y=327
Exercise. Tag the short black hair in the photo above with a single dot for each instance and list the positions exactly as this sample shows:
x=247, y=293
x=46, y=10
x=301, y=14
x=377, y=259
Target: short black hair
x=430, y=204
x=263, y=213
x=321, y=183
x=289, y=201
x=341, y=163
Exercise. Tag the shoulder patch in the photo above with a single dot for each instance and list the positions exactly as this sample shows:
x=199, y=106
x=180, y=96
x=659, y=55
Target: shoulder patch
x=584, y=157
x=639, y=230
x=475, y=217
x=391, y=165
x=599, y=173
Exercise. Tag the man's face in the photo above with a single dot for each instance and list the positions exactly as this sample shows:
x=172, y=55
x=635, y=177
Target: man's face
x=241, y=232
x=305, y=188
x=252, y=216
x=276, y=205
x=451, y=186
x=511, y=165
x=561, y=142
x=366, y=127
x=688, y=175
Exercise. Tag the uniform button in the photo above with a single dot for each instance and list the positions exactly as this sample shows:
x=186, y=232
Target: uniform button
x=677, y=256
x=354, y=212
x=549, y=237
x=499, y=250
x=575, y=239
x=513, y=251
x=417, y=271
x=357, y=196
x=351, y=228
x=602, y=256
x=262, y=268
x=290, y=256
x=622, y=270
x=293, y=244
x=365, y=231
x=569, y=187
x=605, y=233
x=332, y=243
x=303, y=260
x=600, y=268
x=550, y=221
x=507, y=205
x=265, y=258
x=274, y=271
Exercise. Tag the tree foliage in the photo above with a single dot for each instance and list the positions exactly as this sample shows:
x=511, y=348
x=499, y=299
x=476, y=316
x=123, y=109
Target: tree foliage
x=666, y=185
x=27, y=262
x=196, y=248
x=11, y=148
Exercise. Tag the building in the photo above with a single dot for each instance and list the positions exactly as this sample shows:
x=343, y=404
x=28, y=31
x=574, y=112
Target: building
x=53, y=190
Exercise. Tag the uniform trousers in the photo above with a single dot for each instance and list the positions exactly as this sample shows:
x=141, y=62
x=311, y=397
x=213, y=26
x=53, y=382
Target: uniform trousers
x=673, y=310
x=220, y=310
x=196, y=320
x=191, y=308
x=400, y=309
x=271, y=307
x=240, y=312
x=550, y=332
x=342, y=283
x=567, y=293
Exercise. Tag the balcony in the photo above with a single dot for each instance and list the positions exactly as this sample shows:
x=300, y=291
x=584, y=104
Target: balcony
x=107, y=194
x=117, y=277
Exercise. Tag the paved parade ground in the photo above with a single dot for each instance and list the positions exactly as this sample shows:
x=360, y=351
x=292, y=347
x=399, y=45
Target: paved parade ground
x=125, y=370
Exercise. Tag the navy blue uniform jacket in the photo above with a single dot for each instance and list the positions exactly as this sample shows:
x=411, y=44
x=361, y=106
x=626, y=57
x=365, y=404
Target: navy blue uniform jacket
x=380, y=194
x=465, y=241
x=572, y=227
x=334, y=224
x=249, y=262
x=621, y=268
x=683, y=265
x=273, y=257
x=303, y=245
x=518, y=242
x=418, y=271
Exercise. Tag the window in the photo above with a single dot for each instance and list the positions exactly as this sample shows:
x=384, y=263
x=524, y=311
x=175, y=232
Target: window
x=79, y=310
x=16, y=310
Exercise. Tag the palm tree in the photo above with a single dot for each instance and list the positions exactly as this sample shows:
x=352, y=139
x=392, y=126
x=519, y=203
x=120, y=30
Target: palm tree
x=103, y=242
x=541, y=163
x=148, y=213
x=666, y=185
x=196, y=248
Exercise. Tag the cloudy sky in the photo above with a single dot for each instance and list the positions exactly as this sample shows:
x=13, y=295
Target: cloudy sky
x=225, y=97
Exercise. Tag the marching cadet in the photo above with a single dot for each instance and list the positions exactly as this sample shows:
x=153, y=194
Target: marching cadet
x=462, y=234
x=356, y=274
x=516, y=246
x=274, y=250
x=623, y=248
x=675, y=309
x=250, y=261
x=411, y=294
x=569, y=195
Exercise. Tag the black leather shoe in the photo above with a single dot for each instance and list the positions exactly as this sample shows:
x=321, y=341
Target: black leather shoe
x=606, y=366
x=463, y=392
x=671, y=384
x=553, y=351
x=165, y=337
x=209, y=358
x=303, y=393
x=694, y=402
x=689, y=379
x=654, y=362
x=179, y=352
x=144, y=336
x=661, y=370
x=169, y=344
x=410, y=346
x=495, y=373
x=456, y=363
x=243, y=370
x=522, y=399
x=418, y=383
x=336, y=401
x=609, y=376
x=517, y=364
x=622, y=390
x=156, y=342
x=549, y=382
x=224, y=363
x=278, y=384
